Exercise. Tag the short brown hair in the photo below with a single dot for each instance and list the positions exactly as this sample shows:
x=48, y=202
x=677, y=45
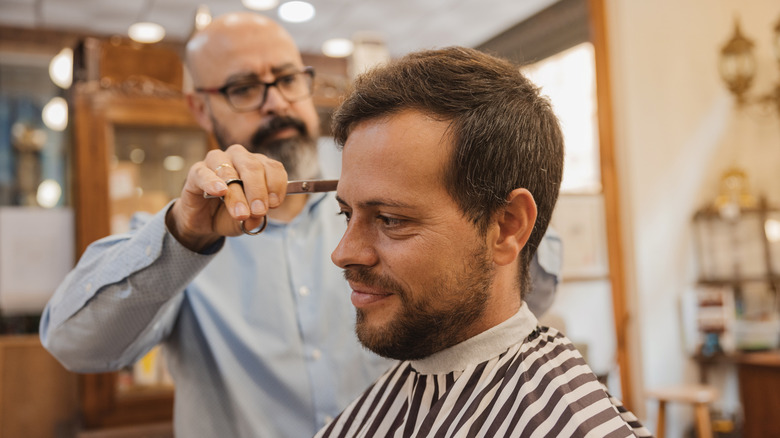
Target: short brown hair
x=506, y=135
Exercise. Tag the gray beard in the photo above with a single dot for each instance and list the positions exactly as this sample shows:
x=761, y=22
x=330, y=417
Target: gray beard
x=298, y=156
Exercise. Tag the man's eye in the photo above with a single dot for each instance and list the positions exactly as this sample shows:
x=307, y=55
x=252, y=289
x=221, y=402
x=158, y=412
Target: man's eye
x=347, y=215
x=390, y=221
x=244, y=89
x=287, y=79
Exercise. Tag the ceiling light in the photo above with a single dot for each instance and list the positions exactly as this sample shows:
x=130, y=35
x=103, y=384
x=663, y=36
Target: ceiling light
x=55, y=114
x=296, y=12
x=260, y=5
x=202, y=17
x=146, y=32
x=61, y=68
x=337, y=47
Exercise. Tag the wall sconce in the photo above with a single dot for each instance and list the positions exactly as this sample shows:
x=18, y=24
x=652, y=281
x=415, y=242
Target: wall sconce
x=737, y=67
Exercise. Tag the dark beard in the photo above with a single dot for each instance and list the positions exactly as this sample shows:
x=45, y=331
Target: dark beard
x=421, y=329
x=298, y=154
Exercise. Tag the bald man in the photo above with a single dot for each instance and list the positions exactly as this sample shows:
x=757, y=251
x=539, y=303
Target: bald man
x=257, y=330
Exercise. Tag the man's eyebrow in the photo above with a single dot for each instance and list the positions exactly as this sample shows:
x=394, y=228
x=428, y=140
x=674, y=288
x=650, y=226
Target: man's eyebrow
x=377, y=203
x=284, y=68
x=250, y=75
x=242, y=76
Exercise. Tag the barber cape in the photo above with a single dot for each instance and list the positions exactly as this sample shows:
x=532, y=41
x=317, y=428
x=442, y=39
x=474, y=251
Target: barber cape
x=514, y=380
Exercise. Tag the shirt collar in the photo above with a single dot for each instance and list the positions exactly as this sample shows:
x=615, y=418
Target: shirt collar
x=481, y=347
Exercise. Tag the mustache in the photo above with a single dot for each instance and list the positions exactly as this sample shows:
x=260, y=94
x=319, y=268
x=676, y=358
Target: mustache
x=275, y=125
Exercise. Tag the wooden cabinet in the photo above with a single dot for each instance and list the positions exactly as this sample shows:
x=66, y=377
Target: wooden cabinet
x=118, y=162
x=134, y=140
x=38, y=397
x=759, y=387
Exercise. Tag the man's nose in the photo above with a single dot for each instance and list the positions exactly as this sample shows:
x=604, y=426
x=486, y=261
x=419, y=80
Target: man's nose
x=355, y=248
x=274, y=100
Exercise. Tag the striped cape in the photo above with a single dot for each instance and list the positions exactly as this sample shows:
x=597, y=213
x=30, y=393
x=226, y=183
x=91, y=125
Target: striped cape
x=540, y=387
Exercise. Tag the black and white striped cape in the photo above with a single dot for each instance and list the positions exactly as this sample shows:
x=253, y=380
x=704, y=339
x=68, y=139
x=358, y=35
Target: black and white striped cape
x=491, y=386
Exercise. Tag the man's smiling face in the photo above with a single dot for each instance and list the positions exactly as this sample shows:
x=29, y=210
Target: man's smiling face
x=419, y=271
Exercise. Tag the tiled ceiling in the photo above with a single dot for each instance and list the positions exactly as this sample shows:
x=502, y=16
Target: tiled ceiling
x=405, y=24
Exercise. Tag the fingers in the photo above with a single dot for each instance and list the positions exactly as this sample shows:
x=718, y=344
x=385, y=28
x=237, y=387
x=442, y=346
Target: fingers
x=264, y=182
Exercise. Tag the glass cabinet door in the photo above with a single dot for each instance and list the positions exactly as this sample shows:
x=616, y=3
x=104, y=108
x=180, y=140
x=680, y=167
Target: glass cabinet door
x=148, y=168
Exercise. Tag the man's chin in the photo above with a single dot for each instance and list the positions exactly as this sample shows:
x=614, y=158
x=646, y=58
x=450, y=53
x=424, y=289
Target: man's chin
x=386, y=338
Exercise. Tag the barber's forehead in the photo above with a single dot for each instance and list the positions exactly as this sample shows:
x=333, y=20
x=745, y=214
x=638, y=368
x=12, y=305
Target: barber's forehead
x=259, y=53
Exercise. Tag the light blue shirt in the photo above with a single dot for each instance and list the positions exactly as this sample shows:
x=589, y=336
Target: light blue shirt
x=259, y=337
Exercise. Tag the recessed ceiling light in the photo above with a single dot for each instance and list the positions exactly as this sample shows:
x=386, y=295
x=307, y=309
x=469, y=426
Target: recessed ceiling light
x=337, y=47
x=202, y=17
x=260, y=5
x=146, y=32
x=296, y=11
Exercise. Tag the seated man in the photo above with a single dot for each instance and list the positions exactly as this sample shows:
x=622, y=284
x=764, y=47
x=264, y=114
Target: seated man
x=451, y=168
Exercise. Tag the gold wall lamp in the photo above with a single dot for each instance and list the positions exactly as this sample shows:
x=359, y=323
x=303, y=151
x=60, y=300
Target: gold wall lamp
x=737, y=66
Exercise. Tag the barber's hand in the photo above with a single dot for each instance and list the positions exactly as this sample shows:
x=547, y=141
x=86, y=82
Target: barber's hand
x=198, y=222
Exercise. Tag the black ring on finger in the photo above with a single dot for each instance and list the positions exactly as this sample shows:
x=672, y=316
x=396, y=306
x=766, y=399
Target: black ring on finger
x=234, y=181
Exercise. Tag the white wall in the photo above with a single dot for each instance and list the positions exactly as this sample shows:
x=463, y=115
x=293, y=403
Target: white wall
x=677, y=130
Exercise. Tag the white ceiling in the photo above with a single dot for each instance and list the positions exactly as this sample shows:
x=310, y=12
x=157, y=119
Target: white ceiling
x=405, y=24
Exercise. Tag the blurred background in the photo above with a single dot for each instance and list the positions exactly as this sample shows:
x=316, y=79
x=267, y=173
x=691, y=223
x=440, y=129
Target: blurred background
x=669, y=214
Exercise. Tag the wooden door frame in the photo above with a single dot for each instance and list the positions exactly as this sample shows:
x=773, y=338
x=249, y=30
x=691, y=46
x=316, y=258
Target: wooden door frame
x=610, y=184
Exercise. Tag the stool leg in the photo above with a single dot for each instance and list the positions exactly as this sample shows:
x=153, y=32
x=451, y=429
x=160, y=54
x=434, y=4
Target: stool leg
x=703, y=423
x=661, y=427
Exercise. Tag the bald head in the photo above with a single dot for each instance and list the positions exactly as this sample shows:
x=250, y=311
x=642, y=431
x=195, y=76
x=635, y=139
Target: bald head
x=245, y=49
x=230, y=33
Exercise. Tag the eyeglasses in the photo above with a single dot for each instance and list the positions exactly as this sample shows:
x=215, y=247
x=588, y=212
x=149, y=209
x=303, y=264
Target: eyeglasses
x=250, y=94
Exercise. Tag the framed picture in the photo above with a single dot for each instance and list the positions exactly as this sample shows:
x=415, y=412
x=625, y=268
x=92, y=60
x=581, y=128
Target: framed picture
x=579, y=219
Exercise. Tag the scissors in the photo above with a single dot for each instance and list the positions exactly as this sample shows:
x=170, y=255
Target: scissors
x=293, y=188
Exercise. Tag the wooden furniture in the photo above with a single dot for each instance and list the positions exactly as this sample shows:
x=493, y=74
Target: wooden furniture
x=38, y=397
x=97, y=114
x=700, y=396
x=111, y=109
x=156, y=430
x=759, y=388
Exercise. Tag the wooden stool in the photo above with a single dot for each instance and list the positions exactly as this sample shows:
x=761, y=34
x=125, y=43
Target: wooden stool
x=700, y=396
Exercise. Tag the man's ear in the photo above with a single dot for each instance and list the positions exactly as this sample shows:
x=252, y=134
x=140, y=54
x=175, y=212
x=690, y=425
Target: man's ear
x=515, y=223
x=200, y=111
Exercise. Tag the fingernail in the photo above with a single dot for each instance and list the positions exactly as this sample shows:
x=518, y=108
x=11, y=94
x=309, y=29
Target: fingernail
x=273, y=199
x=258, y=207
x=241, y=210
x=218, y=186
